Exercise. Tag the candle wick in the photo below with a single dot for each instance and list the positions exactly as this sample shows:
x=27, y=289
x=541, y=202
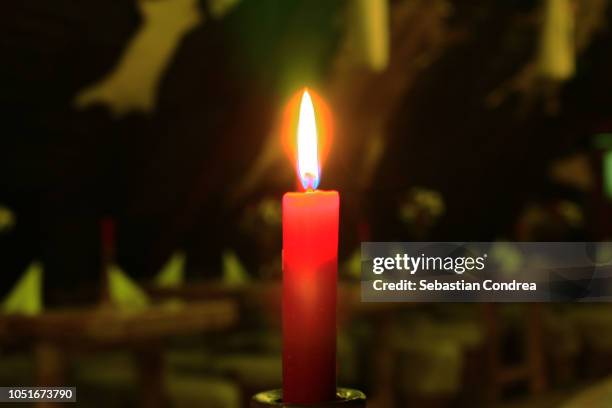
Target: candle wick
x=310, y=181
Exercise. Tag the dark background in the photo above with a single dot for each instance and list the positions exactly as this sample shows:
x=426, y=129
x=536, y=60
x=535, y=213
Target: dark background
x=478, y=145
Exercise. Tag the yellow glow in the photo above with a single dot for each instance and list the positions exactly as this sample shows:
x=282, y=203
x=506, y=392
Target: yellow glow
x=308, y=157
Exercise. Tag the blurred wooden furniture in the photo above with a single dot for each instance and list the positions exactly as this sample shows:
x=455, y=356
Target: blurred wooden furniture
x=597, y=395
x=267, y=296
x=531, y=369
x=54, y=335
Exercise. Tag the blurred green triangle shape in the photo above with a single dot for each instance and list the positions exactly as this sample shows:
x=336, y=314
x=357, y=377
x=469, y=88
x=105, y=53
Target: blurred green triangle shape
x=124, y=292
x=173, y=272
x=234, y=274
x=26, y=296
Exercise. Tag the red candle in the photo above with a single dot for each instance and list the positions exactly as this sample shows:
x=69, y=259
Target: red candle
x=310, y=266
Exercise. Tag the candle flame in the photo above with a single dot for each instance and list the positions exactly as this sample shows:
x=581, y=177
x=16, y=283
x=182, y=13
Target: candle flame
x=306, y=131
x=307, y=144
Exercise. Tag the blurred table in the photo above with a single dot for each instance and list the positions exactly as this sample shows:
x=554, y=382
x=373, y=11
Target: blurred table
x=54, y=335
x=595, y=396
x=267, y=297
x=532, y=366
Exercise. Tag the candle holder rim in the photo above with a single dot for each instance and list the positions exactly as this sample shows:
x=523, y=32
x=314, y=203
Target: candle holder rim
x=345, y=397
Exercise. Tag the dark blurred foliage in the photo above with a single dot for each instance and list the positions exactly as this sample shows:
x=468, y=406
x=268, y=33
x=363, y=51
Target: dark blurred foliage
x=53, y=163
x=486, y=162
x=164, y=177
x=167, y=177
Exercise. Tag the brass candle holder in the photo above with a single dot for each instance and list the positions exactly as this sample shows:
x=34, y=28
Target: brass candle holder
x=345, y=398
